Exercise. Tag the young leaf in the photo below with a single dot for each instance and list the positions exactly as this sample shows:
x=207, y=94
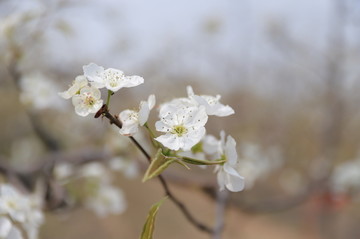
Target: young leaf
x=149, y=225
x=202, y=162
x=158, y=165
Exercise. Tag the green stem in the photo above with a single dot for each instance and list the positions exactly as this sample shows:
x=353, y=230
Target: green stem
x=153, y=136
x=108, y=97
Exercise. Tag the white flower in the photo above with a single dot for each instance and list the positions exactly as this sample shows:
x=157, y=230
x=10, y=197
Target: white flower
x=63, y=171
x=12, y=203
x=39, y=92
x=346, y=176
x=211, y=103
x=5, y=227
x=107, y=200
x=131, y=119
x=88, y=101
x=79, y=83
x=24, y=209
x=184, y=126
x=96, y=171
x=112, y=79
x=227, y=175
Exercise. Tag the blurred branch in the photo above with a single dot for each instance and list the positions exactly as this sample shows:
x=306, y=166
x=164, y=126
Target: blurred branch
x=221, y=202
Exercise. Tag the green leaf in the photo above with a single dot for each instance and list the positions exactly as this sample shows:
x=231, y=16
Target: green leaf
x=149, y=225
x=197, y=148
x=158, y=165
x=203, y=162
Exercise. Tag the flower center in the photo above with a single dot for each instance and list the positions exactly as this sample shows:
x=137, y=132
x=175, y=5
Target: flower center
x=113, y=77
x=180, y=130
x=11, y=204
x=89, y=100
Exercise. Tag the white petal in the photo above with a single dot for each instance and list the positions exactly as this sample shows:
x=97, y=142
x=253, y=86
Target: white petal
x=193, y=137
x=5, y=227
x=144, y=112
x=151, y=101
x=170, y=141
x=162, y=127
x=190, y=91
x=223, y=110
x=196, y=117
x=93, y=72
x=233, y=180
x=230, y=150
x=132, y=81
x=15, y=233
x=65, y=94
x=129, y=130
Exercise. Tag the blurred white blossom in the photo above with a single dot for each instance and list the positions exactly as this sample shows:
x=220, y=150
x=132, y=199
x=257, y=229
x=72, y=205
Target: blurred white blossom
x=127, y=166
x=63, y=171
x=96, y=171
x=106, y=200
x=39, y=92
x=346, y=177
x=23, y=209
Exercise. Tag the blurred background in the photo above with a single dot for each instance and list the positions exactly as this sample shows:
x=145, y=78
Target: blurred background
x=290, y=69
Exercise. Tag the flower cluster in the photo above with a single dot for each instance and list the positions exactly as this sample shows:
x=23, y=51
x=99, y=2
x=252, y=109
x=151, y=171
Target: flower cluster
x=181, y=123
x=85, y=93
x=19, y=213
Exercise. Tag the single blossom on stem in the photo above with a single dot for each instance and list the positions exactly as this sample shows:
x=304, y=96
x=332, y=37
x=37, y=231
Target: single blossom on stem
x=132, y=119
x=110, y=78
x=87, y=101
x=184, y=126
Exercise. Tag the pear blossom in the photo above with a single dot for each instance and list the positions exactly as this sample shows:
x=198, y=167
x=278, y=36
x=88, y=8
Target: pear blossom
x=12, y=203
x=110, y=78
x=63, y=171
x=39, y=92
x=211, y=103
x=227, y=174
x=23, y=209
x=96, y=171
x=79, y=83
x=184, y=126
x=107, y=200
x=87, y=101
x=5, y=226
x=346, y=177
x=131, y=119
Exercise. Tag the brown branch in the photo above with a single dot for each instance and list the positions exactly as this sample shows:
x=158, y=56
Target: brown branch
x=114, y=120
